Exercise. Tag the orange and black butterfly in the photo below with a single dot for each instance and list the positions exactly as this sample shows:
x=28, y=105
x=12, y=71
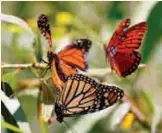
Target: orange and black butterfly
x=67, y=61
x=121, y=50
x=82, y=95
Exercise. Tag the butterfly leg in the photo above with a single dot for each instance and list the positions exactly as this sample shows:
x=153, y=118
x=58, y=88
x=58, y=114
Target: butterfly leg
x=111, y=71
x=44, y=73
x=44, y=61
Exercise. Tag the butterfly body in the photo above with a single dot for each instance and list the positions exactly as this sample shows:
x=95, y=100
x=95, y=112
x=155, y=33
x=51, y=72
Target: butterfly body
x=82, y=95
x=121, y=50
x=58, y=77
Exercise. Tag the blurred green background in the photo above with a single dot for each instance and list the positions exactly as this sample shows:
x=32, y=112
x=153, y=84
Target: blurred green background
x=96, y=21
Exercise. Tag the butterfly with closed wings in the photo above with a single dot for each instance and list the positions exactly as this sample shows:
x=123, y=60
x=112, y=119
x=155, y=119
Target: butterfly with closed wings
x=68, y=60
x=82, y=95
x=121, y=50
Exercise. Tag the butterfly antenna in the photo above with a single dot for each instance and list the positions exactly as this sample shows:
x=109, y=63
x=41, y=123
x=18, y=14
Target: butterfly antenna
x=72, y=129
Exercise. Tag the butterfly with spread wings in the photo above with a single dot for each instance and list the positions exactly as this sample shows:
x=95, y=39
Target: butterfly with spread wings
x=121, y=50
x=67, y=61
x=82, y=95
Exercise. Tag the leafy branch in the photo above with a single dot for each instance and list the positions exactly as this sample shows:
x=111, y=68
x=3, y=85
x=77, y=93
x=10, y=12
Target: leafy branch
x=91, y=71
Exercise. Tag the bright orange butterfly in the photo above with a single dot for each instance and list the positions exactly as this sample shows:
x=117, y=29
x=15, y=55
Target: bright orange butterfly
x=83, y=95
x=121, y=50
x=67, y=61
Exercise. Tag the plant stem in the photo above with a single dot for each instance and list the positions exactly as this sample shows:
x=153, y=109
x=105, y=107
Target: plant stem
x=23, y=66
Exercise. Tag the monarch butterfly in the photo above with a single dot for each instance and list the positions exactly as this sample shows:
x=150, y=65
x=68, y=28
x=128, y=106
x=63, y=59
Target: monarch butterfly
x=67, y=61
x=82, y=95
x=121, y=50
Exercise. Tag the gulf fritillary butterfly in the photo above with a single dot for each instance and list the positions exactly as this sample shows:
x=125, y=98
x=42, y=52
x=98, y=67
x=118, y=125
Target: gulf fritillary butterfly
x=121, y=50
x=68, y=60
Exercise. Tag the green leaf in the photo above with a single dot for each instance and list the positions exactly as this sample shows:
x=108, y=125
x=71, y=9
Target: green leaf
x=11, y=77
x=44, y=127
x=154, y=32
x=11, y=127
x=115, y=12
x=17, y=21
x=144, y=101
x=38, y=49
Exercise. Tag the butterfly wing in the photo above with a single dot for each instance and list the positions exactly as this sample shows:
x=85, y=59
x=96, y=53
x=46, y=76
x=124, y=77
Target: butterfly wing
x=121, y=48
x=74, y=56
x=126, y=63
x=133, y=37
x=82, y=95
x=67, y=69
x=118, y=34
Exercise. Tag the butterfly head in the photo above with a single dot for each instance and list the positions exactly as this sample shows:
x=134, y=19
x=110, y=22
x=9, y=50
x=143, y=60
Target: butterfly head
x=59, y=114
x=112, y=51
x=51, y=56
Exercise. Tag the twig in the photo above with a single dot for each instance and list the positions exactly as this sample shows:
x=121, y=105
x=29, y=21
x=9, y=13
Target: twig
x=134, y=107
x=102, y=72
x=23, y=66
x=94, y=72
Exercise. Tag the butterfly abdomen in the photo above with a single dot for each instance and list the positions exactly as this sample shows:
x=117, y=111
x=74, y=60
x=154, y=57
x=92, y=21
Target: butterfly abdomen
x=58, y=68
x=58, y=76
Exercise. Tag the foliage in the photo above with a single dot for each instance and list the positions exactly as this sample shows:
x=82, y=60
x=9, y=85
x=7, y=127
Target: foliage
x=21, y=43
